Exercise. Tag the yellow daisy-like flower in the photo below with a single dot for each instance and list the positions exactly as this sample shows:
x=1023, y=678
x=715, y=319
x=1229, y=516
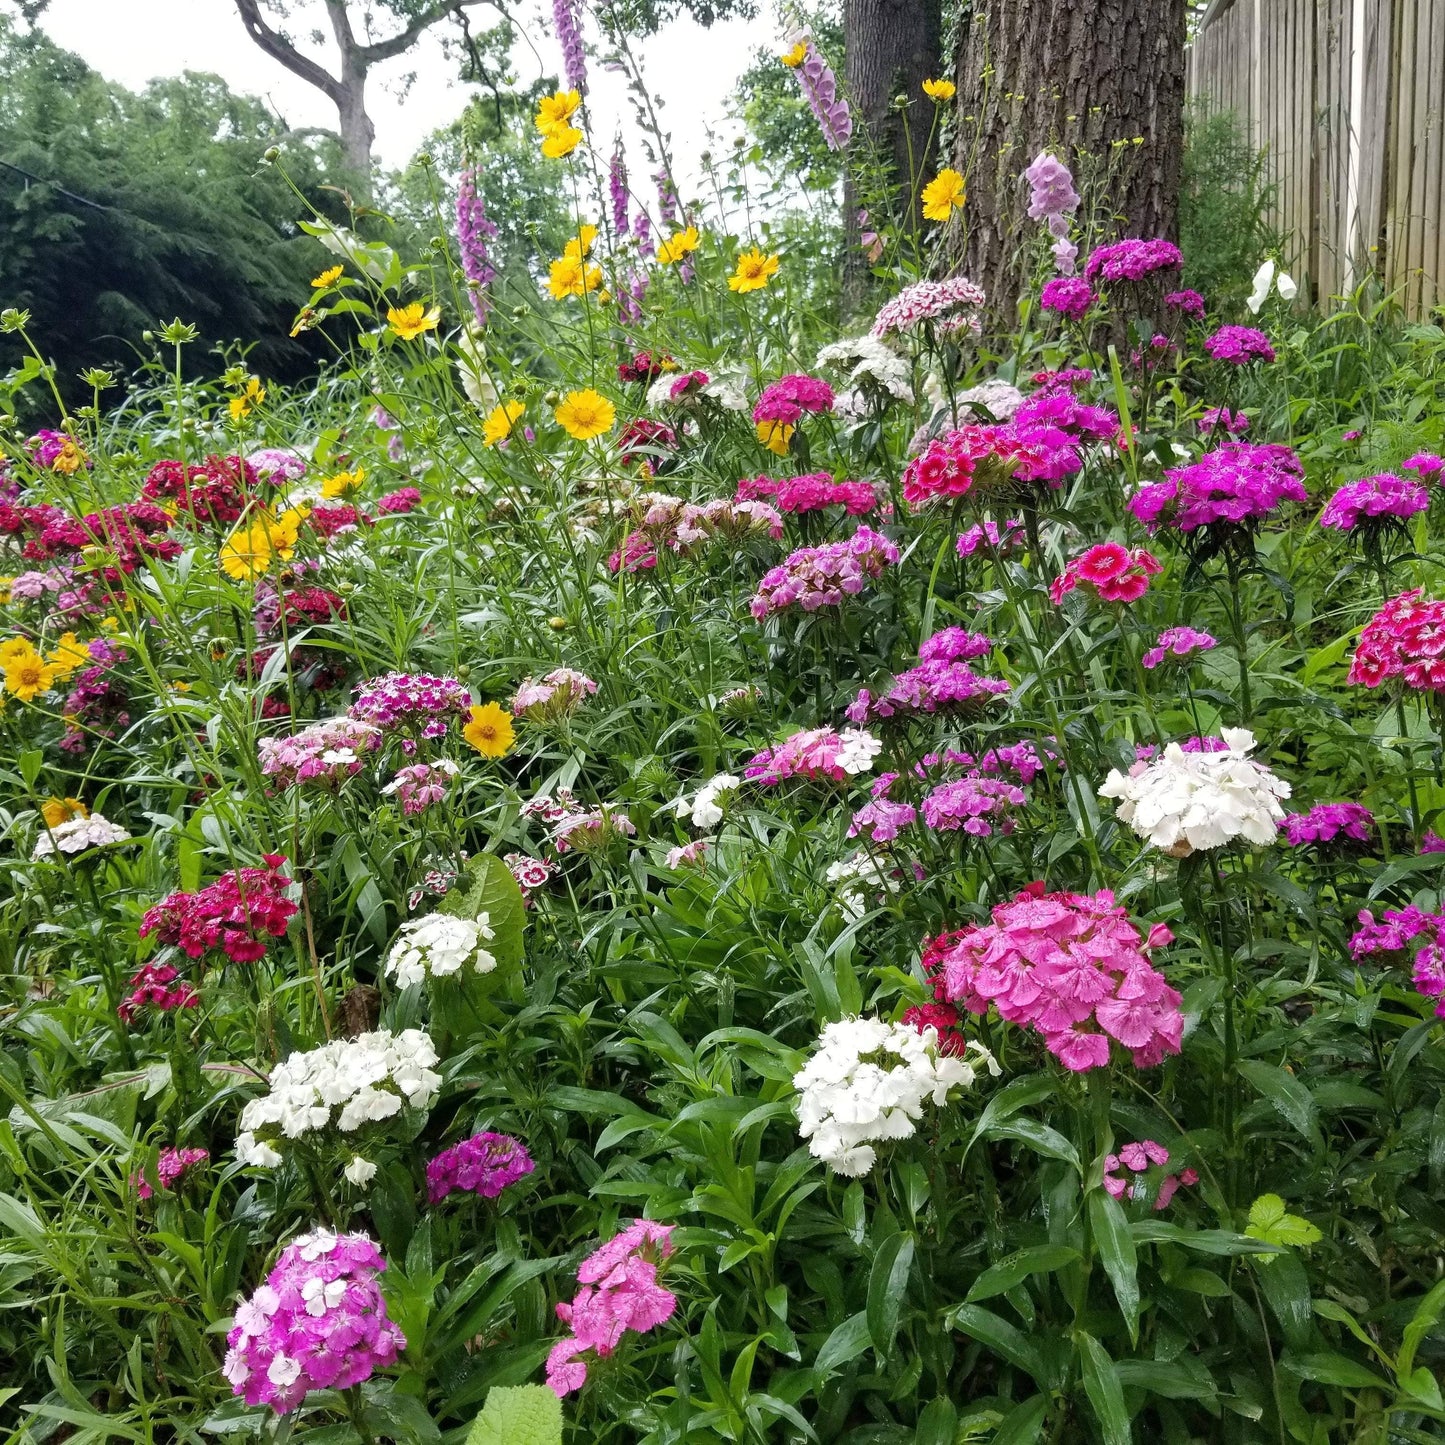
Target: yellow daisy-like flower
x=327, y=278
x=13, y=648
x=572, y=276
x=409, y=322
x=69, y=654
x=28, y=676
x=580, y=246
x=490, y=730
x=796, y=56
x=500, y=421
x=585, y=414
x=556, y=110
x=943, y=195
x=939, y=89
x=246, y=553
x=681, y=244
x=560, y=143
x=775, y=435
x=252, y=397
x=754, y=271
x=343, y=482
x=56, y=811
x=282, y=532
x=5, y=590
x=69, y=459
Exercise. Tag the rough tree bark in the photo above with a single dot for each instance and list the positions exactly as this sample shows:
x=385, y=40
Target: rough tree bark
x=346, y=90
x=891, y=48
x=1101, y=82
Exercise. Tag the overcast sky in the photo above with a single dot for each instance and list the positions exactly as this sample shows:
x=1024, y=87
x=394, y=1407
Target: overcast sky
x=132, y=41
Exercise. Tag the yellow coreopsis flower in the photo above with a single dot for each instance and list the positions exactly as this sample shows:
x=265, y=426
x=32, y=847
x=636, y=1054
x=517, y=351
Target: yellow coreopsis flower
x=490, y=730
x=409, y=322
x=560, y=143
x=754, y=271
x=252, y=397
x=796, y=56
x=56, y=811
x=343, y=482
x=939, y=89
x=28, y=676
x=12, y=648
x=943, y=195
x=556, y=110
x=585, y=414
x=69, y=459
x=681, y=244
x=327, y=278
x=247, y=552
x=500, y=421
x=572, y=276
x=580, y=246
x=281, y=533
x=775, y=435
x=69, y=654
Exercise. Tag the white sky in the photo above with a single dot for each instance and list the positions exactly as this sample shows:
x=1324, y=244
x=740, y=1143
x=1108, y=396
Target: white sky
x=690, y=69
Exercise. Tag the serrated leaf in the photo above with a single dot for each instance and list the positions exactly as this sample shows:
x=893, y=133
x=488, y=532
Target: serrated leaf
x=518, y=1415
x=1271, y=1222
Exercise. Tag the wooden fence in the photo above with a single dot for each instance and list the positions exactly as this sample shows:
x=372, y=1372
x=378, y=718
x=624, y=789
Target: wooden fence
x=1347, y=99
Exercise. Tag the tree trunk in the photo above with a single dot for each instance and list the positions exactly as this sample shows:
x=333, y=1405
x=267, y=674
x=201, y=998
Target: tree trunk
x=892, y=47
x=1099, y=82
x=357, y=131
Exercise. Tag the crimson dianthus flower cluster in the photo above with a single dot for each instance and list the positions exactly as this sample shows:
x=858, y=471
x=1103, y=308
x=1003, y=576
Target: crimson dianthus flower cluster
x=990, y=459
x=1115, y=573
x=234, y=915
x=1404, y=639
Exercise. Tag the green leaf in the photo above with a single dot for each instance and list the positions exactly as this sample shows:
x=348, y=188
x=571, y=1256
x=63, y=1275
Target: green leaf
x=1221, y=1242
x=1332, y=1369
x=518, y=1415
x=1288, y=1095
x=1110, y=1228
x=486, y=886
x=1000, y=1336
x=937, y=1424
x=887, y=1286
x=1039, y=1137
x=1105, y=1392
x=1023, y=1424
x=846, y=1343
x=1014, y=1268
x=1426, y=1316
x=1269, y=1221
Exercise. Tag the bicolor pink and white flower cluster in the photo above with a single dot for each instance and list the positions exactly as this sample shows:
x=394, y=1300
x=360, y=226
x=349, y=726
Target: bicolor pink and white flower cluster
x=326, y=753
x=406, y=702
x=818, y=754
x=673, y=525
x=947, y=306
x=318, y=1323
x=561, y=692
x=620, y=1292
x=1404, y=639
x=1073, y=968
x=1114, y=573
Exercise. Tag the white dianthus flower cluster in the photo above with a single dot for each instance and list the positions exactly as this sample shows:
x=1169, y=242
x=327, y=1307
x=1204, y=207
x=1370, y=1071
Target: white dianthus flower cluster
x=870, y=365
x=437, y=946
x=345, y=1084
x=1183, y=801
x=867, y=1081
x=856, y=751
x=705, y=808
x=75, y=835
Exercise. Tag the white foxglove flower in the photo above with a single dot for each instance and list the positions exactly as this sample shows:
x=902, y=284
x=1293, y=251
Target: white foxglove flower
x=472, y=370
x=1182, y=801
x=1259, y=292
x=868, y=1080
x=1284, y=283
x=436, y=946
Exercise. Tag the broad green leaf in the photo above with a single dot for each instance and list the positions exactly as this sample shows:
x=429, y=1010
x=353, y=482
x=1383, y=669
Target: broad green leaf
x=1023, y=1424
x=846, y=1343
x=1110, y=1228
x=1332, y=1369
x=1288, y=1095
x=1106, y=1394
x=887, y=1287
x=1426, y=1316
x=518, y=1415
x=1001, y=1277
x=1000, y=1336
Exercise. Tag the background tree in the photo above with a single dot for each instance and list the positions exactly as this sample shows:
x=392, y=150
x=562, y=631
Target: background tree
x=120, y=210
x=358, y=52
x=1101, y=77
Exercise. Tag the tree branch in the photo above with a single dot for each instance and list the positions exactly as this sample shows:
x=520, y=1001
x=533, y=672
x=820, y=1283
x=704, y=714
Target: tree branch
x=280, y=49
x=397, y=44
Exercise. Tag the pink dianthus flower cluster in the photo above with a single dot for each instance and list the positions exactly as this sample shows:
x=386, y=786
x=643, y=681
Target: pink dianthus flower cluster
x=1059, y=407
x=784, y=401
x=981, y=457
x=402, y=701
x=815, y=753
x=1132, y=260
x=1070, y=296
x=1239, y=345
x=1137, y=1157
x=170, y=1165
x=682, y=527
x=420, y=785
x=318, y=1323
x=1177, y=642
x=990, y=535
x=814, y=577
x=1220, y=418
x=950, y=306
x=1115, y=572
x=1424, y=464
x=974, y=805
x=1405, y=639
x=1238, y=482
x=1342, y=823
x=403, y=499
x=325, y=753
x=1376, y=499
x=619, y=1292
x=562, y=691
x=1397, y=932
x=1073, y=968
x=931, y=687
x=810, y=493
x=484, y=1165
x=234, y=915
x=158, y=986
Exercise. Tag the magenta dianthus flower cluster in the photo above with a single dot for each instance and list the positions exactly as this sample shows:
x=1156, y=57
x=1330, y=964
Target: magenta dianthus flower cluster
x=1189, y=303
x=986, y=458
x=402, y=701
x=1137, y=1157
x=990, y=535
x=1375, y=499
x=1404, y=639
x=784, y=401
x=973, y=804
x=1342, y=823
x=1116, y=573
x=619, y=1292
x=810, y=493
x=1059, y=407
x=1399, y=930
x=1070, y=296
x=1220, y=418
x=1177, y=643
x=1073, y=968
x=159, y=986
x=1132, y=260
x=171, y=1164
x=1238, y=482
x=1239, y=345
x=485, y=1165
x=235, y=915
x=318, y=1323
x=814, y=577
